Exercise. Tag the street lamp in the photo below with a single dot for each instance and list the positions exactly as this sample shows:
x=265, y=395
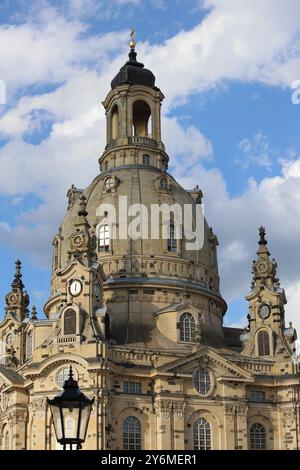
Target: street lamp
x=71, y=412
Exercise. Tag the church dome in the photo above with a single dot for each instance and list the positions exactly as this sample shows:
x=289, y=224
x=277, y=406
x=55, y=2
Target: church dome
x=149, y=273
x=133, y=73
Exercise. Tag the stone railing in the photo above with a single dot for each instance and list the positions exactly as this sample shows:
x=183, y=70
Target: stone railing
x=136, y=140
x=67, y=339
x=142, y=141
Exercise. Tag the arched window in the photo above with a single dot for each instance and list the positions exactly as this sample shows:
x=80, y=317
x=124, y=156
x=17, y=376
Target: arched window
x=146, y=159
x=106, y=166
x=263, y=343
x=104, y=238
x=29, y=345
x=258, y=439
x=141, y=117
x=202, y=381
x=164, y=184
x=114, y=122
x=187, y=327
x=172, y=241
x=132, y=434
x=63, y=375
x=70, y=322
x=202, y=434
x=6, y=440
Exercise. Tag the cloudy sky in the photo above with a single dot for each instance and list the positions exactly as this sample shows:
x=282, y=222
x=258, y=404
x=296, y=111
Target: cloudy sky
x=227, y=69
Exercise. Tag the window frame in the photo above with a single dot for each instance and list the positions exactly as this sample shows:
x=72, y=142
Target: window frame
x=132, y=388
x=261, y=344
x=183, y=334
x=258, y=437
x=132, y=433
x=104, y=238
x=172, y=241
x=202, y=431
x=207, y=380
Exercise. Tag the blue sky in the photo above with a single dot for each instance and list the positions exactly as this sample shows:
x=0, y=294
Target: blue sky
x=226, y=69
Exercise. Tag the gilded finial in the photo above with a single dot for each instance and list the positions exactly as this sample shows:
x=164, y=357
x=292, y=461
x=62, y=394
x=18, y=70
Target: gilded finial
x=132, y=39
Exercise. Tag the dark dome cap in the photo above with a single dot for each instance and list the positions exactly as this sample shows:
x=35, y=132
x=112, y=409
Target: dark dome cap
x=133, y=73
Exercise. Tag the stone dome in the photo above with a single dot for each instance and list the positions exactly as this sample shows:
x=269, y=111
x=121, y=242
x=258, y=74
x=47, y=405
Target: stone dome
x=148, y=278
x=133, y=73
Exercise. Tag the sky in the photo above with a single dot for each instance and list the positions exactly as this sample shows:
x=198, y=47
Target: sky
x=229, y=72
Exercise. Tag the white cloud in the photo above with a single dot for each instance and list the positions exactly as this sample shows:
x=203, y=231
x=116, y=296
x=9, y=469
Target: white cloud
x=256, y=150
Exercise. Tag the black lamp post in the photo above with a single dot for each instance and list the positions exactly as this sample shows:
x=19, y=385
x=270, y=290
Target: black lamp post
x=71, y=412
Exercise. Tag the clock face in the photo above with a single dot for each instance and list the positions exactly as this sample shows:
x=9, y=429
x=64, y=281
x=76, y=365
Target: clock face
x=264, y=312
x=75, y=288
x=13, y=299
x=10, y=339
x=262, y=267
x=78, y=240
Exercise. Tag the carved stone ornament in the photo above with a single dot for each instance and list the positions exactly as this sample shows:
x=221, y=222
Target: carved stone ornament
x=288, y=415
x=240, y=410
x=179, y=408
x=163, y=408
x=39, y=406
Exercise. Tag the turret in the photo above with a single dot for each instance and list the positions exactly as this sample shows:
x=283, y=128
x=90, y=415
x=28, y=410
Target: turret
x=133, y=114
x=17, y=300
x=266, y=335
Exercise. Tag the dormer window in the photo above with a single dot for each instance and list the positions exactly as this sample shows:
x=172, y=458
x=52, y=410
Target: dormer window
x=187, y=327
x=164, y=184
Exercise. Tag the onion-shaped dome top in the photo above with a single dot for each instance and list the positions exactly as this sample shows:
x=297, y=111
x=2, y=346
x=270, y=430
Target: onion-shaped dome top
x=134, y=73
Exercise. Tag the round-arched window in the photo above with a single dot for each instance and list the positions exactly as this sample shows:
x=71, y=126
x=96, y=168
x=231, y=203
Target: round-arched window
x=258, y=439
x=202, y=381
x=63, y=375
x=132, y=438
x=202, y=434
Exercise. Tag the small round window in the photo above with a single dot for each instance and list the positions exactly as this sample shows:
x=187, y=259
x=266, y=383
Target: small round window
x=63, y=375
x=202, y=381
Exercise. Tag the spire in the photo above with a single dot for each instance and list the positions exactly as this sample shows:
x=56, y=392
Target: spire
x=33, y=313
x=262, y=234
x=82, y=241
x=264, y=270
x=17, y=300
x=17, y=282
